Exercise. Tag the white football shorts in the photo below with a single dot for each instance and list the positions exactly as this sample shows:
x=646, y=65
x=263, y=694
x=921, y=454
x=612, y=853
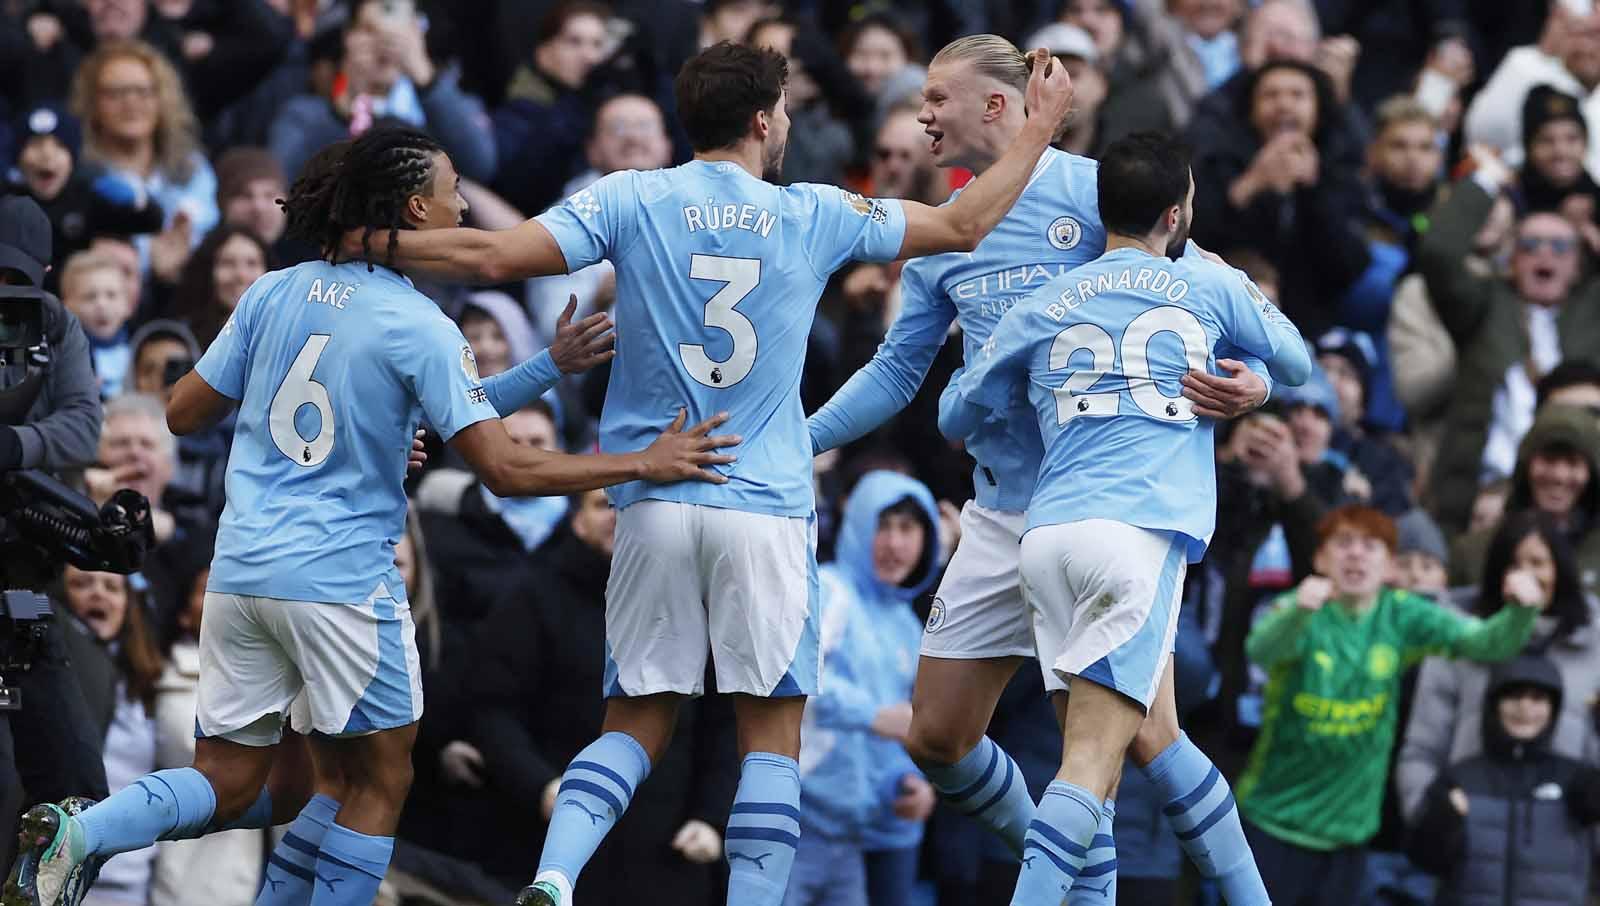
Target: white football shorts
x=353, y=667
x=690, y=582
x=978, y=611
x=1104, y=596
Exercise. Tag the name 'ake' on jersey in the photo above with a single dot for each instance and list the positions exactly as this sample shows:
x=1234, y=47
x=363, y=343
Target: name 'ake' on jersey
x=334, y=367
x=1053, y=227
x=1099, y=354
x=718, y=277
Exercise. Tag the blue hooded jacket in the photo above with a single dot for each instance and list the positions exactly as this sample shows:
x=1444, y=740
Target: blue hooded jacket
x=849, y=775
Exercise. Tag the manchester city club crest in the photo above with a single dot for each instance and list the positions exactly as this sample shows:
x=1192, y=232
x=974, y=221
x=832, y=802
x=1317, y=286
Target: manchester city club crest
x=1064, y=233
x=936, y=615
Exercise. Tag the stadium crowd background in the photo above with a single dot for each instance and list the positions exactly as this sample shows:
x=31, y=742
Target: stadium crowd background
x=1412, y=181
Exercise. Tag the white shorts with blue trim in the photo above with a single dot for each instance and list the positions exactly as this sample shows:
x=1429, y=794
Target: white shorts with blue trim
x=347, y=669
x=1104, y=597
x=690, y=582
x=978, y=611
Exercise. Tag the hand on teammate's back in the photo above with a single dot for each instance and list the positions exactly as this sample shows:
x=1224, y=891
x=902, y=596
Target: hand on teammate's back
x=419, y=454
x=679, y=455
x=1215, y=396
x=581, y=346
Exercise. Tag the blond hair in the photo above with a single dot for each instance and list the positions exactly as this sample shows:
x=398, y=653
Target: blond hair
x=81, y=264
x=177, y=131
x=1403, y=108
x=992, y=56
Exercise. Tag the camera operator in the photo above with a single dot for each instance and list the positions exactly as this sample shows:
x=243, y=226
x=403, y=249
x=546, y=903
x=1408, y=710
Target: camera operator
x=58, y=431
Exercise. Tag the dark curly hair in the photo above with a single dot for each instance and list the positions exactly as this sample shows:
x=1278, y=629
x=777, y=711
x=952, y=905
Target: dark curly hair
x=360, y=184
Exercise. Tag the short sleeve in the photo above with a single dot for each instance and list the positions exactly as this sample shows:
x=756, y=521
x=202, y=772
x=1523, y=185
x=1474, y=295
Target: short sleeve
x=433, y=359
x=589, y=225
x=844, y=226
x=224, y=366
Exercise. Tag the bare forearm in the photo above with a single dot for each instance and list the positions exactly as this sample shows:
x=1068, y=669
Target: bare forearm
x=530, y=472
x=474, y=256
x=458, y=255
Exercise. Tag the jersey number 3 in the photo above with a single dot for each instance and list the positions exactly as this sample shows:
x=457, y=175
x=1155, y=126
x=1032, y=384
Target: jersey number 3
x=1074, y=399
x=300, y=389
x=738, y=277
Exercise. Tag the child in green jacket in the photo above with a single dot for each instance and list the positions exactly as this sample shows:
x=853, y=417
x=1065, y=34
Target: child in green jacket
x=1334, y=649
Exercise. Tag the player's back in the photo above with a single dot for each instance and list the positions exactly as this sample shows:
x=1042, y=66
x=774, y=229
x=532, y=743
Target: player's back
x=1107, y=346
x=315, y=501
x=1053, y=228
x=718, y=277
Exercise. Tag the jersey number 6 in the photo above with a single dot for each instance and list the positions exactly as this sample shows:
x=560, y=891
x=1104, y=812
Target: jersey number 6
x=1074, y=398
x=738, y=277
x=298, y=389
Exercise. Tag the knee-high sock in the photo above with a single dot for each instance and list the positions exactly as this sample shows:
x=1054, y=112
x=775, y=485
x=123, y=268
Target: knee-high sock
x=291, y=869
x=987, y=786
x=1097, y=882
x=173, y=804
x=1201, y=808
x=257, y=817
x=595, y=791
x=1057, y=842
x=763, y=830
x=350, y=866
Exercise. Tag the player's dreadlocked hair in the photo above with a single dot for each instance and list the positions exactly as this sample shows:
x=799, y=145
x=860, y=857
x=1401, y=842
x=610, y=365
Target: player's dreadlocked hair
x=359, y=184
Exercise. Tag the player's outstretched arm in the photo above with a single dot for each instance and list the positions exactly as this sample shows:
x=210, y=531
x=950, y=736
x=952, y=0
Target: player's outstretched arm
x=195, y=405
x=960, y=225
x=887, y=383
x=462, y=255
x=510, y=469
x=576, y=348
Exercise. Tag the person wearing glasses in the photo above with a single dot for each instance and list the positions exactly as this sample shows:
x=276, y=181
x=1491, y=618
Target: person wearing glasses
x=902, y=165
x=1509, y=331
x=139, y=126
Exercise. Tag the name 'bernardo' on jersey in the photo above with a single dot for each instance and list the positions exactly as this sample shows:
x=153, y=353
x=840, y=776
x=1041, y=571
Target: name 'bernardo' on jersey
x=713, y=216
x=335, y=293
x=1156, y=282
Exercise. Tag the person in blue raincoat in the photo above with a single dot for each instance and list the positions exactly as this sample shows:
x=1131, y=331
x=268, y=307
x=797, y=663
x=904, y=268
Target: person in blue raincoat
x=862, y=801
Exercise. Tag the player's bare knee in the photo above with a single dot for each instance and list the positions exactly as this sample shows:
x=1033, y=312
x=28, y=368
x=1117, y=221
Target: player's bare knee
x=931, y=744
x=1155, y=736
x=236, y=773
x=769, y=724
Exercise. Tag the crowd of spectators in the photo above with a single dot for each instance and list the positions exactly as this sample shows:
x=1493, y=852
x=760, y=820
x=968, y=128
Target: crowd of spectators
x=1415, y=183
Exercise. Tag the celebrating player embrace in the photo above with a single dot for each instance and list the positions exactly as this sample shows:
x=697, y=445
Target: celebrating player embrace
x=718, y=276
x=980, y=629
x=333, y=367
x=1126, y=498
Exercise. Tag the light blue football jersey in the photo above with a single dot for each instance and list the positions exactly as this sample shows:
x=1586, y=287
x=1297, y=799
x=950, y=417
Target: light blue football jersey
x=334, y=368
x=1054, y=227
x=718, y=277
x=1098, y=355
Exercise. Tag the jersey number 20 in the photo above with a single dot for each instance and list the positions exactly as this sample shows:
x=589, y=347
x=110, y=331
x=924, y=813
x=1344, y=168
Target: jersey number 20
x=1074, y=399
x=738, y=277
x=298, y=389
